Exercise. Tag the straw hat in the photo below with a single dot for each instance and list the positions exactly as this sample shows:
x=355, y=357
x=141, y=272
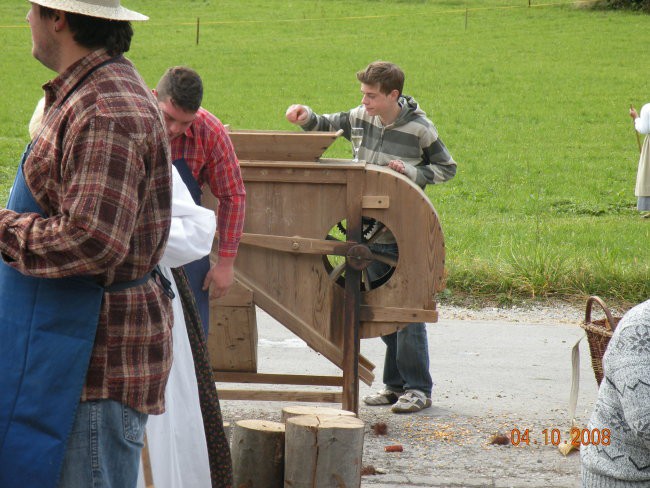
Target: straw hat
x=104, y=9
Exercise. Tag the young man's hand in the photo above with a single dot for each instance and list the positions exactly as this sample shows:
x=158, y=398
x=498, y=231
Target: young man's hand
x=397, y=165
x=220, y=277
x=633, y=113
x=297, y=114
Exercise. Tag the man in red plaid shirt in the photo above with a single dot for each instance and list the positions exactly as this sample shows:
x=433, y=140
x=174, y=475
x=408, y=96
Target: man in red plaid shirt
x=203, y=153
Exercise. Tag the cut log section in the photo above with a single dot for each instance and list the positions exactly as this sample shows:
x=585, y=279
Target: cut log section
x=294, y=410
x=258, y=454
x=323, y=451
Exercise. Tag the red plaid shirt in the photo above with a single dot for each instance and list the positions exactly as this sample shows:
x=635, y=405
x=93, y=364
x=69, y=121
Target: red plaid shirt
x=100, y=169
x=210, y=155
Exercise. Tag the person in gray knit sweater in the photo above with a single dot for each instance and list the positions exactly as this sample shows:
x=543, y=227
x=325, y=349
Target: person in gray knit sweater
x=622, y=412
x=396, y=134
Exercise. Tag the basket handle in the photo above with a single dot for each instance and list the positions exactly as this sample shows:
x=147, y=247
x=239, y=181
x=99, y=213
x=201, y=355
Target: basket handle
x=608, y=314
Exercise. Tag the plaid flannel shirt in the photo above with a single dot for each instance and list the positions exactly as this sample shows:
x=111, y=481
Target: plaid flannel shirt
x=100, y=169
x=210, y=155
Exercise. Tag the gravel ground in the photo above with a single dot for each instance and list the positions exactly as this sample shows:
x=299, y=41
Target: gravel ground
x=449, y=446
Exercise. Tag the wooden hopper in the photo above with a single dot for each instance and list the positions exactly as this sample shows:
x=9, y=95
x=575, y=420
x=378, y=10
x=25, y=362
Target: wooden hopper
x=297, y=266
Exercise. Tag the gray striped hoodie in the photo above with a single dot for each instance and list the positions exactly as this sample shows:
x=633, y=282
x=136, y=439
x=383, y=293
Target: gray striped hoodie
x=411, y=138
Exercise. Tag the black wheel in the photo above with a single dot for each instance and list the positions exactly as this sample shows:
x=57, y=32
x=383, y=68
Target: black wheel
x=382, y=266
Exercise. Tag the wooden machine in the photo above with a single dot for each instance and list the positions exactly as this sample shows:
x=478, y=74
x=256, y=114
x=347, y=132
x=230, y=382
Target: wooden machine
x=303, y=258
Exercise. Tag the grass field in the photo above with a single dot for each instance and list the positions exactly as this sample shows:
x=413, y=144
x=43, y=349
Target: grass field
x=531, y=101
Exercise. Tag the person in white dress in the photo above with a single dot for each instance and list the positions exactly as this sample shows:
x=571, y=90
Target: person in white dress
x=176, y=439
x=642, y=188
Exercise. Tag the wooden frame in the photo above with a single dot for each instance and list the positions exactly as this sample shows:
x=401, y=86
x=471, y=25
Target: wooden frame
x=291, y=208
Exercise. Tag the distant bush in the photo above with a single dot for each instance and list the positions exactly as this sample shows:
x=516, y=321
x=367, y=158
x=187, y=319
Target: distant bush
x=639, y=5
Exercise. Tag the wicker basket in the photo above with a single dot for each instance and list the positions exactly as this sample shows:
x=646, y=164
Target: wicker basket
x=599, y=332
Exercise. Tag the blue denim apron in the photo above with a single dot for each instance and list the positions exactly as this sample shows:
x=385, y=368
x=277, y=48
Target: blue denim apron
x=47, y=331
x=196, y=270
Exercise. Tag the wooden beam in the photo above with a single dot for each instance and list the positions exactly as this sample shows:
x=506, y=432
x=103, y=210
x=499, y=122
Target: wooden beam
x=277, y=174
x=352, y=294
x=277, y=379
x=281, y=396
x=370, y=313
x=295, y=244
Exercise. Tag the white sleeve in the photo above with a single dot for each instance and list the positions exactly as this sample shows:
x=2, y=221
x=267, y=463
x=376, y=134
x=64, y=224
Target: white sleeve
x=642, y=123
x=192, y=227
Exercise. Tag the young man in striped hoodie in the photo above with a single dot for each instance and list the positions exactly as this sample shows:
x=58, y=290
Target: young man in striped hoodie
x=397, y=134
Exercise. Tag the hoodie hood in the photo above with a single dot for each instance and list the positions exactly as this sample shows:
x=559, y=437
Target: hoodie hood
x=410, y=110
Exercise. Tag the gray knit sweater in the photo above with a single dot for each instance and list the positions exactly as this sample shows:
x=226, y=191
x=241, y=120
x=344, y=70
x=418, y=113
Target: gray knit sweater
x=623, y=407
x=411, y=138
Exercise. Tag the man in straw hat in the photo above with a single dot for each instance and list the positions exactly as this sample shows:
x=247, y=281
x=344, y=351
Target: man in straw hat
x=85, y=335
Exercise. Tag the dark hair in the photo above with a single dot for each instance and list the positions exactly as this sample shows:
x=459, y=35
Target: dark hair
x=93, y=32
x=387, y=75
x=183, y=86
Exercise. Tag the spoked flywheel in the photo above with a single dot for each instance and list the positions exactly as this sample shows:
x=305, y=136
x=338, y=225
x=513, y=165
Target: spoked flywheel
x=382, y=264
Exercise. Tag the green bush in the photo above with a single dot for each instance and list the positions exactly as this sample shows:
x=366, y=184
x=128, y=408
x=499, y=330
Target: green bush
x=639, y=5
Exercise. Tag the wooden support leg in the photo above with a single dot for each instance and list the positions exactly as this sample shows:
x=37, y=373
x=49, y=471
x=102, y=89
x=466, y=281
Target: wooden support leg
x=352, y=294
x=351, y=344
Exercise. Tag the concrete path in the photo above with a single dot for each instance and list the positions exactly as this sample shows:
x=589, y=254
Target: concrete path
x=491, y=377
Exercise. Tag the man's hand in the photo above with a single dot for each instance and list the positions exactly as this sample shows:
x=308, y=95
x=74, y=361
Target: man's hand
x=633, y=113
x=297, y=114
x=220, y=277
x=397, y=165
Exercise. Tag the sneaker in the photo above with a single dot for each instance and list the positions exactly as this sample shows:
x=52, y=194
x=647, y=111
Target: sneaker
x=382, y=397
x=411, y=401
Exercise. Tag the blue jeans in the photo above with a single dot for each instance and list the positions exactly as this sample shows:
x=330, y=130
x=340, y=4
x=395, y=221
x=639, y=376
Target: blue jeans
x=406, y=364
x=104, y=447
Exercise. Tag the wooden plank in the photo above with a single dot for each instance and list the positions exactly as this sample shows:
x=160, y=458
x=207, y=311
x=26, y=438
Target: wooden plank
x=280, y=396
x=281, y=145
x=352, y=294
x=280, y=379
x=295, y=244
x=311, y=175
x=392, y=314
x=232, y=340
x=375, y=201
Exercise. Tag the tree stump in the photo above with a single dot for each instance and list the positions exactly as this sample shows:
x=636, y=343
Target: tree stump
x=323, y=452
x=258, y=454
x=293, y=410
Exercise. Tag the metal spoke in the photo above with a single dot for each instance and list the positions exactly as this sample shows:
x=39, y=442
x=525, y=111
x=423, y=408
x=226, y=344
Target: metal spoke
x=384, y=258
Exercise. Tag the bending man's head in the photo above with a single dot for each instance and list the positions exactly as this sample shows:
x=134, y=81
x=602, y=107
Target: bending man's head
x=182, y=86
x=179, y=93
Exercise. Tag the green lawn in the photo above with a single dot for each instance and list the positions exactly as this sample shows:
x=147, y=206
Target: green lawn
x=532, y=103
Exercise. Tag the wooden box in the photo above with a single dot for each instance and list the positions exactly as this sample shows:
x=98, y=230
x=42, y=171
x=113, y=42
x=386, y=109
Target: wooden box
x=257, y=145
x=232, y=342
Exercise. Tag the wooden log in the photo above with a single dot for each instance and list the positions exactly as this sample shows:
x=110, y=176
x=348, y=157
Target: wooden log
x=294, y=410
x=258, y=454
x=323, y=451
